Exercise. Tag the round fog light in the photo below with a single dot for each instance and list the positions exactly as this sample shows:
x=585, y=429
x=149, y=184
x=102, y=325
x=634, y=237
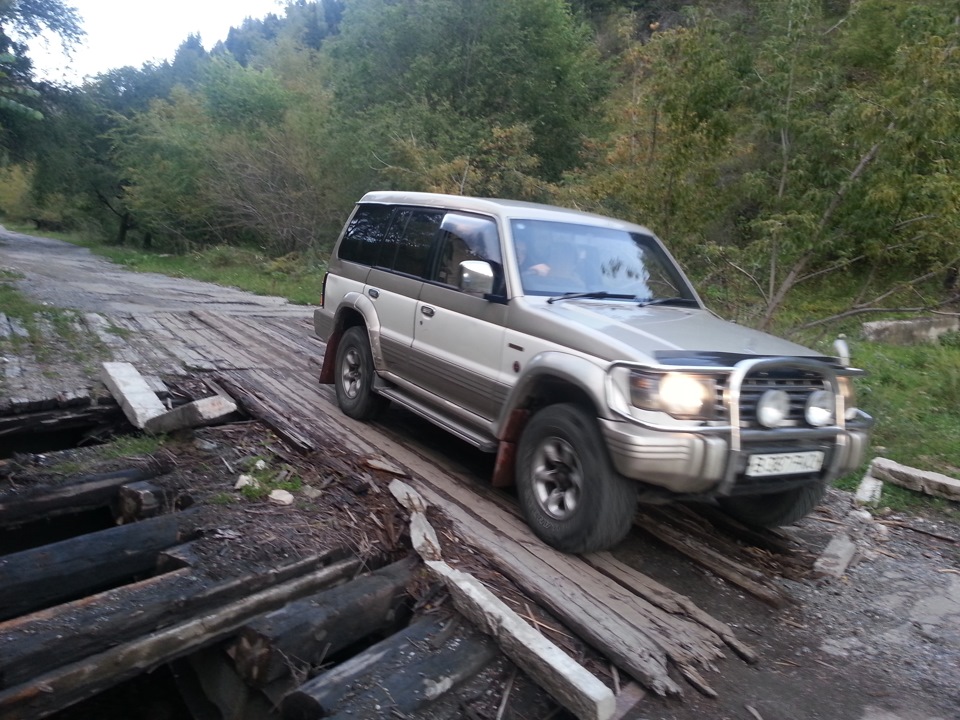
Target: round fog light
x=773, y=408
x=819, y=408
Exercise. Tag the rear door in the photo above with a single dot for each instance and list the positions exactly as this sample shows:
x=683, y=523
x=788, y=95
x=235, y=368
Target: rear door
x=458, y=337
x=396, y=279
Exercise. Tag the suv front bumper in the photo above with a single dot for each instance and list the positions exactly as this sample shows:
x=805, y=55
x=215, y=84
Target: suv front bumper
x=701, y=463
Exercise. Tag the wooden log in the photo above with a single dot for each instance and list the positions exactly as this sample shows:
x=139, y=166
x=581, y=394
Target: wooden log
x=43, y=576
x=83, y=493
x=46, y=694
x=140, y=500
x=55, y=420
x=43, y=641
x=403, y=673
x=302, y=633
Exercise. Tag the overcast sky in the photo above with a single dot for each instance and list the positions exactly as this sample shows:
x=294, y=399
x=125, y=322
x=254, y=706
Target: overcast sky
x=132, y=32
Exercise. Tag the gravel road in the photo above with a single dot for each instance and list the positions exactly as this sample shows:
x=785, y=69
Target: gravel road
x=880, y=643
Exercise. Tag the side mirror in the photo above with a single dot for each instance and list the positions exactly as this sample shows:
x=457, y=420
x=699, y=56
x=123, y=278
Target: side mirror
x=476, y=277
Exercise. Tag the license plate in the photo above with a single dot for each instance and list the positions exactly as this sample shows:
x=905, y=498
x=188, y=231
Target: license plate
x=784, y=463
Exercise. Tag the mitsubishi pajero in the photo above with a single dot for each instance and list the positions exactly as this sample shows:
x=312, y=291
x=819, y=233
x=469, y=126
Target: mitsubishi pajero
x=573, y=347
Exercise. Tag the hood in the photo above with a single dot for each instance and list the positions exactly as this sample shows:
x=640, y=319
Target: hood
x=660, y=334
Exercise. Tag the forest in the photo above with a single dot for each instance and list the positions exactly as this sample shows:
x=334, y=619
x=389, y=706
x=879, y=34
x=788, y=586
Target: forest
x=799, y=157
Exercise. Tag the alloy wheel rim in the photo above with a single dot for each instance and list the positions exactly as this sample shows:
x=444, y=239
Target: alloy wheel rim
x=557, y=478
x=351, y=374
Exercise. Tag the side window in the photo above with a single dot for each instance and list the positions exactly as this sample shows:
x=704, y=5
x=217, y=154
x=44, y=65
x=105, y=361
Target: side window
x=467, y=237
x=417, y=238
x=407, y=241
x=364, y=233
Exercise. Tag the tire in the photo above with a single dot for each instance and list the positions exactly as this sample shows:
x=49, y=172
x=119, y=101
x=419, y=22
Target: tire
x=569, y=493
x=775, y=509
x=355, y=375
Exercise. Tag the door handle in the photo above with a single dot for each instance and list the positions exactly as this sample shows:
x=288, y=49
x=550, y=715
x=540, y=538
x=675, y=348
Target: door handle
x=427, y=310
x=373, y=292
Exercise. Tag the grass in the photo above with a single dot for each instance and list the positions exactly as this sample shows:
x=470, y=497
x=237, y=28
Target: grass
x=131, y=446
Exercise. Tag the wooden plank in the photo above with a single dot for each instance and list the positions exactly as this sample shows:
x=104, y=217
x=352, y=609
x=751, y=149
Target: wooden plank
x=53, y=691
x=746, y=578
x=46, y=640
x=172, y=343
x=667, y=600
x=566, y=680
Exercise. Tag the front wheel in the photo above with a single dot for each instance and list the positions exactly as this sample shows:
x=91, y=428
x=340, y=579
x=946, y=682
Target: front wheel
x=775, y=509
x=569, y=493
x=354, y=377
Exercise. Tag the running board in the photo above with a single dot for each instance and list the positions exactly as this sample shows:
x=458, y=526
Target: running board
x=465, y=433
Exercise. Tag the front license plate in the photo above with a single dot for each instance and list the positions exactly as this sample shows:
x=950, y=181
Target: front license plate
x=784, y=463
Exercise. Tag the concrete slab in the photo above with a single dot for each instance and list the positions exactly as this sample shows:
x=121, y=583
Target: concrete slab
x=833, y=561
x=198, y=413
x=931, y=483
x=126, y=384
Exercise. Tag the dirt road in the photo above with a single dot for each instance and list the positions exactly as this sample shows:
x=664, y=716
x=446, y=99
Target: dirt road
x=880, y=643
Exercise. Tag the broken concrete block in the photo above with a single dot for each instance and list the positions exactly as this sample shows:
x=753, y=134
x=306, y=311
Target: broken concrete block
x=245, y=481
x=869, y=491
x=138, y=401
x=836, y=557
x=931, y=483
x=204, y=411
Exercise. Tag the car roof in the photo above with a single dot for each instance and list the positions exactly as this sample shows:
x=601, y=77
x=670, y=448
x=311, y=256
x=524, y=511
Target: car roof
x=508, y=209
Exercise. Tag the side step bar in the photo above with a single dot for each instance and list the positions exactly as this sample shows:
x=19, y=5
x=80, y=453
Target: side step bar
x=464, y=432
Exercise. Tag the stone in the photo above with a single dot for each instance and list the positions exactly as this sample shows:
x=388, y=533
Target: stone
x=281, y=497
x=198, y=413
x=869, y=491
x=836, y=557
x=126, y=384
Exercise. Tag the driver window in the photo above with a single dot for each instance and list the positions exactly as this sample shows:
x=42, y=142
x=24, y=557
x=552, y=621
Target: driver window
x=465, y=237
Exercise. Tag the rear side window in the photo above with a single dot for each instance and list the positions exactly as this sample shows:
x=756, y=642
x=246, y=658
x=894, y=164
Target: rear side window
x=407, y=242
x=363, y=236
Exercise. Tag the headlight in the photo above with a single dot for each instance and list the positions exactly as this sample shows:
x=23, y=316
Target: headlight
x=819, y=410
x=773, y=408
x=678, y=394
x=849, y=397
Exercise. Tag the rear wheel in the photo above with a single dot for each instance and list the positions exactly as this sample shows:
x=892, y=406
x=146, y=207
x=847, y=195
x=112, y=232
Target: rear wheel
x=775, y=509
x=355, y=375
x=569, y=492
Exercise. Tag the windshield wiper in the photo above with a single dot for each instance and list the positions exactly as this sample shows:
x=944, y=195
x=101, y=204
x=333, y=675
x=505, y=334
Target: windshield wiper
x=594, y=295
x=668, y=301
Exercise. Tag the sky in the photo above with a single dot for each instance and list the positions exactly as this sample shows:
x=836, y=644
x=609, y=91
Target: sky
x=133, y=32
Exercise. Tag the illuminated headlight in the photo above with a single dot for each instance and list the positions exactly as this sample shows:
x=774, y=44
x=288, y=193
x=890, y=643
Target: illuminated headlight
x=678, y=394
x=819, y=410
x=849, y=398
x=773, y=408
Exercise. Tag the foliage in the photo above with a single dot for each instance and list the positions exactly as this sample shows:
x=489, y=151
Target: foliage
x=914, y=394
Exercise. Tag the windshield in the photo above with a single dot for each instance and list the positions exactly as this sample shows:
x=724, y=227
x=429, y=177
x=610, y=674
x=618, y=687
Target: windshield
x=556, y=258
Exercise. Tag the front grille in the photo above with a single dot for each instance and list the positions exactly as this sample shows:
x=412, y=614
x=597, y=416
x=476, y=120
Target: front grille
x=796, y=382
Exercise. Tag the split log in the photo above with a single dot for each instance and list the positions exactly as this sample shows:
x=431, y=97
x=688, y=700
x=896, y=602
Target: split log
x=53, y=691
x=403, y=673
x=43, y=641
x=43, y=576
x=746, y=578
x=84, y=493
x=302, y=633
